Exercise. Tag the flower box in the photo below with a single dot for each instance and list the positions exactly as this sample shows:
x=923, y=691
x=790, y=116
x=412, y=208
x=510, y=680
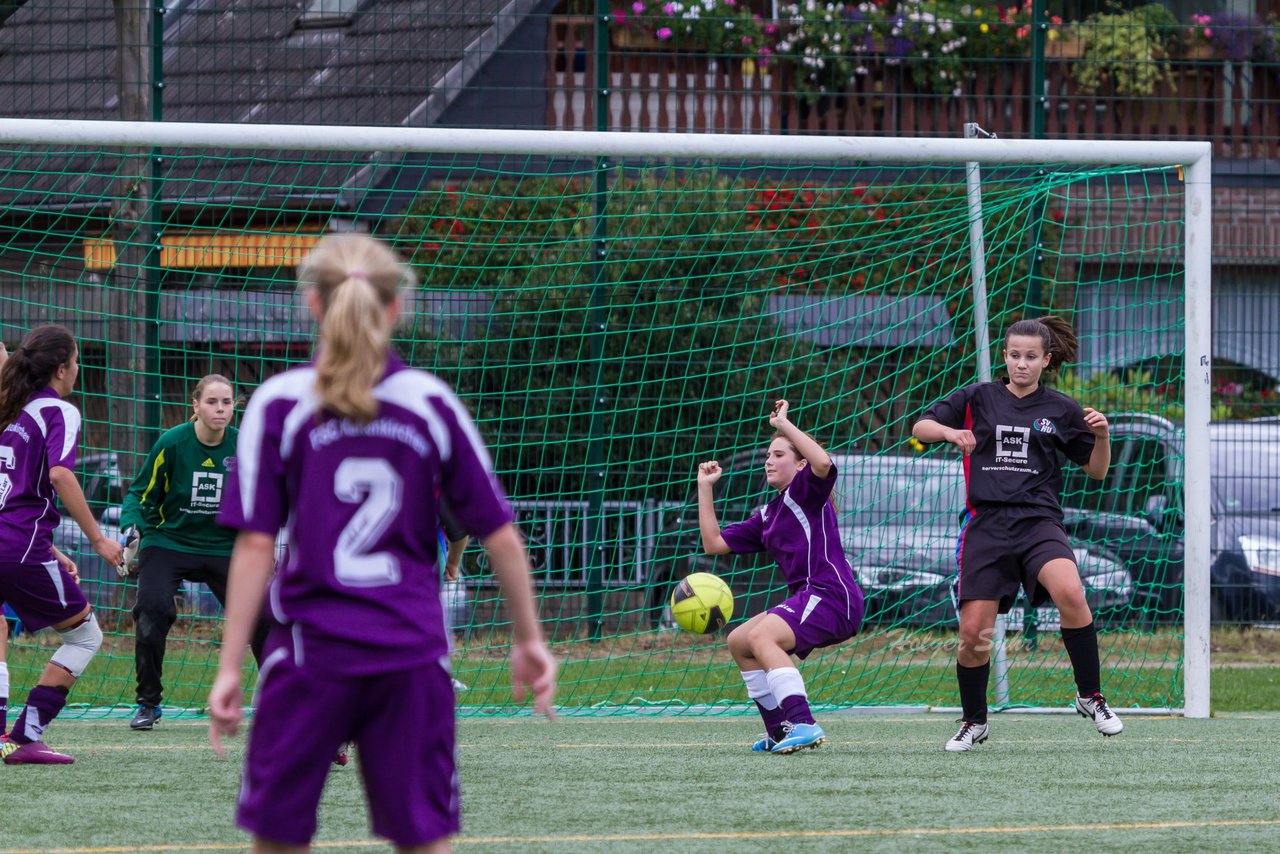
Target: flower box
x=635, y=39
x=1065, y=47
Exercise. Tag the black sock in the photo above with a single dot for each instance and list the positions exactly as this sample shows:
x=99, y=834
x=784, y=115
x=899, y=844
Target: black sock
x=1082, y=649
x=973, y=691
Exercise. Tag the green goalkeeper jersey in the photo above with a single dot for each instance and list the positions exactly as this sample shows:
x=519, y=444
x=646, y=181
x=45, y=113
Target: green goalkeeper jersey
x=175, y=498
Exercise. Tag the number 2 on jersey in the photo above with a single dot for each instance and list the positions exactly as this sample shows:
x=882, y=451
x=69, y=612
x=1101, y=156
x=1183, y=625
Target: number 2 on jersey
x=376, y=487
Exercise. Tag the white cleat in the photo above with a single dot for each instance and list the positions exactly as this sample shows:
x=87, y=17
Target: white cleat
x=1107, y=721
x=968, y=736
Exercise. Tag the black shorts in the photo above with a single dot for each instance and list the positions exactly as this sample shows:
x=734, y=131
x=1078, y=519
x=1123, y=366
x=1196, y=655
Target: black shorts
x=996, y=554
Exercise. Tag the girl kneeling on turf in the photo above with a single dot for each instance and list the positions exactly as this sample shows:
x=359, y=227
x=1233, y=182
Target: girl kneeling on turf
x=798, y=530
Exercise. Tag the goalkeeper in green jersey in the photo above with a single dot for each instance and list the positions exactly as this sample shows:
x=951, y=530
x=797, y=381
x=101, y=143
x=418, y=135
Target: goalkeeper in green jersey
x=171, y=522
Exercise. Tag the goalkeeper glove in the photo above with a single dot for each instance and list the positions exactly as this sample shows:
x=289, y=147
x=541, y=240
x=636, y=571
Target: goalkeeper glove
x=131, y=540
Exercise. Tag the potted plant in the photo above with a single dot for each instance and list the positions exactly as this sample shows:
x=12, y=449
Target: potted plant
x=1126, y=50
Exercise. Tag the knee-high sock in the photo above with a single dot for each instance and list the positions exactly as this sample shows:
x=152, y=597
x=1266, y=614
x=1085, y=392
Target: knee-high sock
x=4, y=696
x=43, y=704
x=1082, y=649
x=973, y=691
x=788, y=686
x=758, y=690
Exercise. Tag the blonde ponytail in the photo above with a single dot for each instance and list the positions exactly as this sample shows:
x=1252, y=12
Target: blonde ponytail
x=356, y=278
x=353, y=351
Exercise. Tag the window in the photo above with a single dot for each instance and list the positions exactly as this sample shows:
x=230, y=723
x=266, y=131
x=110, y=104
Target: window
x=328, y=13
x=1144, y=475
x=1082, y=492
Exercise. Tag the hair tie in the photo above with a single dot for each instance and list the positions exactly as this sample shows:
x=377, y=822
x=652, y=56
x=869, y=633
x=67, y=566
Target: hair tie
x=357, y=274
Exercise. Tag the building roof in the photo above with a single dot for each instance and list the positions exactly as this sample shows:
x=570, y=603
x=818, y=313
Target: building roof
x=396, y=62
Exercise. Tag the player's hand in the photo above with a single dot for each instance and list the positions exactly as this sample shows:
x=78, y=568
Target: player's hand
x=709, y=472
x=131, y=541
x=962, y=439
x=778, y=418
x=533, y=667
x=450, y=572
x=68, y=564
x=225, y=714
x=110, y=551
x=1097, y=422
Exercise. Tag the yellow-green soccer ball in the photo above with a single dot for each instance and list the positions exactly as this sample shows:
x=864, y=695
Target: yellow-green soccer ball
x=702, y=603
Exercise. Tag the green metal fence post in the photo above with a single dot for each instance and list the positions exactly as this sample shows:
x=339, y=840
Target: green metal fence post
x=597, y=318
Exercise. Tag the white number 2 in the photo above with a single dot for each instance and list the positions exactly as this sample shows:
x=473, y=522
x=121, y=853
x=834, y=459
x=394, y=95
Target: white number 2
x=376, y=487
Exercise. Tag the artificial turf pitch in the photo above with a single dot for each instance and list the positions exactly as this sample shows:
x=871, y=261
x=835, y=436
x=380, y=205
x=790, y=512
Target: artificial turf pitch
x=690, y=784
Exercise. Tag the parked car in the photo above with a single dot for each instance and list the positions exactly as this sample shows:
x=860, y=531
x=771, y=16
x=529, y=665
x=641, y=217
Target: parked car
x=104, y=490
x=899, y=521
x=1137, y=511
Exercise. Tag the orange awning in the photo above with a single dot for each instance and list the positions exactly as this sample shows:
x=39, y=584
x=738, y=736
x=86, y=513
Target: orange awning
x=205, y=250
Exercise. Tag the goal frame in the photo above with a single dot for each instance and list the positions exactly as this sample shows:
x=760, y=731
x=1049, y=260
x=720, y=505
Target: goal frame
x=1194, y=158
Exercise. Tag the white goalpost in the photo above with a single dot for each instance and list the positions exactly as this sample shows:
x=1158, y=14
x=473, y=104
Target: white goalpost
x=384, y=145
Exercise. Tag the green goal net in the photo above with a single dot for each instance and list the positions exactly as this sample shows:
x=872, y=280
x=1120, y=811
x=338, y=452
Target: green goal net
x=611, y=320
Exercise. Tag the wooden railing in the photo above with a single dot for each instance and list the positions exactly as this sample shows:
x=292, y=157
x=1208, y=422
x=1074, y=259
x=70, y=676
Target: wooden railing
x=1237, y=106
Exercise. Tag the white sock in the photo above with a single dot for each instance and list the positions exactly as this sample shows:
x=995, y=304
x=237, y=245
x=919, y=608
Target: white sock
x=758, y=688
x=786, y=682
x=4, y=682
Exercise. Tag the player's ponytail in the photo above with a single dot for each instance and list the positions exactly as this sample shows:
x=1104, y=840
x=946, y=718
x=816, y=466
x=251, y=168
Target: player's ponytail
x=31, y=367
x=355, y=278
x=1055, y=334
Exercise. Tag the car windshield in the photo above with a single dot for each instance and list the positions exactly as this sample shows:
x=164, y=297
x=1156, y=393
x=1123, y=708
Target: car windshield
x=908, y=491
x=1246, y=475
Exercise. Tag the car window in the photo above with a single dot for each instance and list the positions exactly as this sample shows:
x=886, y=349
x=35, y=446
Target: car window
x=1082, y=492
x=1246, y=474
x=743, y=479
x=911, y=492
x=1143, y=473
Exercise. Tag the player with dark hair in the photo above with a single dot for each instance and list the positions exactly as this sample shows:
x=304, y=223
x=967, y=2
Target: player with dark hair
x=1011, y=433
x=39, y=432
x=170, y=518
x=824, y=606
x=350, y=456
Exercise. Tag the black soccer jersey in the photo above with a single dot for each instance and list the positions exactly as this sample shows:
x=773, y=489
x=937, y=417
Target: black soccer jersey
x=1015, y=463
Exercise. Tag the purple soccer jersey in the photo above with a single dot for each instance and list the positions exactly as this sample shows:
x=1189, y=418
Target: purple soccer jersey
x=43, y=435
x=797, y=529
x=358, y=587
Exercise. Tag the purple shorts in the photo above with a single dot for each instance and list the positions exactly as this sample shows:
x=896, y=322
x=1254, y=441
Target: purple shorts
x=819, y=619
x=402, y=724
x=41, y=595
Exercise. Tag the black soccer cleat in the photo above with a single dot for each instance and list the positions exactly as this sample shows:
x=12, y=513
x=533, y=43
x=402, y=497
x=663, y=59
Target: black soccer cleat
x=146, y=717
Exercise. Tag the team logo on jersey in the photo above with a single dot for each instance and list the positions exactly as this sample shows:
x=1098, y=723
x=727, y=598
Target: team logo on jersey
x=208, y=463
x=206, y=490
x=229, y=463
x=1012, y=443
x=1044, y=425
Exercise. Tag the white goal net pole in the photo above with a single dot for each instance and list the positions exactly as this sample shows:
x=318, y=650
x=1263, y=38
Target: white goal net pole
x=1199, y=355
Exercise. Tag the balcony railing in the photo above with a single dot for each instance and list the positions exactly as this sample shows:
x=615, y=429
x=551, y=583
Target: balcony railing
x=1236, y=105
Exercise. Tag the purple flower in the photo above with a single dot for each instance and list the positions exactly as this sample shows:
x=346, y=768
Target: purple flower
x=619, y=16
x=637, y=7
x=663, y=33
x=669, y=9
